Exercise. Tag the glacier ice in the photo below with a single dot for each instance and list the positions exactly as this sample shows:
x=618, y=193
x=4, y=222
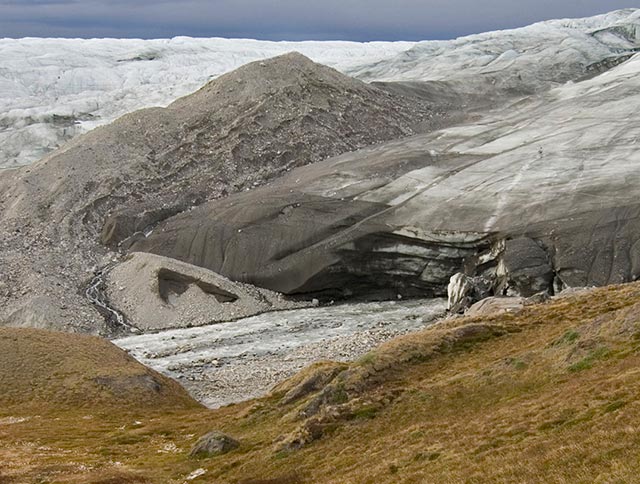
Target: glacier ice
x=54, y=89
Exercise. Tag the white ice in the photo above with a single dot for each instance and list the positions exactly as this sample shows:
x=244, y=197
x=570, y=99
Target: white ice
x=534, y=54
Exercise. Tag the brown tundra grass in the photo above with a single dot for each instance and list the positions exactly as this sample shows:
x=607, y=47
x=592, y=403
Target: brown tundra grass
x=548, y=395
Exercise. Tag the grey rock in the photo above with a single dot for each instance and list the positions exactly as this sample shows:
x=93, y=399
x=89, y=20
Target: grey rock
x=493, y=305
x=524, y=269
x=212, y=444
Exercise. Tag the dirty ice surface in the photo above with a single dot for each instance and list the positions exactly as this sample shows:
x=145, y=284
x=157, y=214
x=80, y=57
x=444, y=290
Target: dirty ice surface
x=230, y=362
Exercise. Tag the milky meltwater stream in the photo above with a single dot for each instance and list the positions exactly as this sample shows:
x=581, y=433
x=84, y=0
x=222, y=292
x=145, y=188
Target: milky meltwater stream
x=230, y=362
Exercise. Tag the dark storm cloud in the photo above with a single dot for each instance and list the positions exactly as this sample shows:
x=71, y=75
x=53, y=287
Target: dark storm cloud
x=27, y=3
x=284, y=19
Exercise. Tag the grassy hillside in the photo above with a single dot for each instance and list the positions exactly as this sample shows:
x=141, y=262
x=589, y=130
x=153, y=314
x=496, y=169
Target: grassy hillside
x=547, y=395
x=42, y=370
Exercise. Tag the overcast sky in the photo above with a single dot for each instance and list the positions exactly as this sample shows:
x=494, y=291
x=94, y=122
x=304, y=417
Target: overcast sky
x=360, y=20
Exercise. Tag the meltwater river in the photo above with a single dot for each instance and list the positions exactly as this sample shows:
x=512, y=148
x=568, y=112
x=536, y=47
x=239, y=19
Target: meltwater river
x=230, y=362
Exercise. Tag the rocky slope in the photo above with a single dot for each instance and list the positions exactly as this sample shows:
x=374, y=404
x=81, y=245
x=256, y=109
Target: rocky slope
x=52, y=90
x=537, y=195
x=113, y=184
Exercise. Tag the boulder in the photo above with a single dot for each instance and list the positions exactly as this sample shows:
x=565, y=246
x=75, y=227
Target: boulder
x=464, y=290
x=524, y=269
x=492, y=305
x=458, y=292
x=212, y=444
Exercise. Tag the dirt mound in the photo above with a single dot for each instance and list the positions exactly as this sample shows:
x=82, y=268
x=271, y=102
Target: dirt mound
x=157, y=293
x=59, y=370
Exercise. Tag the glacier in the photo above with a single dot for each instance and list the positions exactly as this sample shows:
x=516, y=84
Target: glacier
x=553, y=176
x=555, y=162
x=52, y=90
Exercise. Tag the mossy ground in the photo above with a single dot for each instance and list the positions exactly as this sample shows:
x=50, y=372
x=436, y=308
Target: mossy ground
x=555, y=398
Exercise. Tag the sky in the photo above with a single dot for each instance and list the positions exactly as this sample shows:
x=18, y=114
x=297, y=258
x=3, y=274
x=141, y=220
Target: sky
x=358, y=20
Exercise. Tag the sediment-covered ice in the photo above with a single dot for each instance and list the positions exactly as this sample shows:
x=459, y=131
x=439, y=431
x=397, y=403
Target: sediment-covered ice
x=559, y=168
